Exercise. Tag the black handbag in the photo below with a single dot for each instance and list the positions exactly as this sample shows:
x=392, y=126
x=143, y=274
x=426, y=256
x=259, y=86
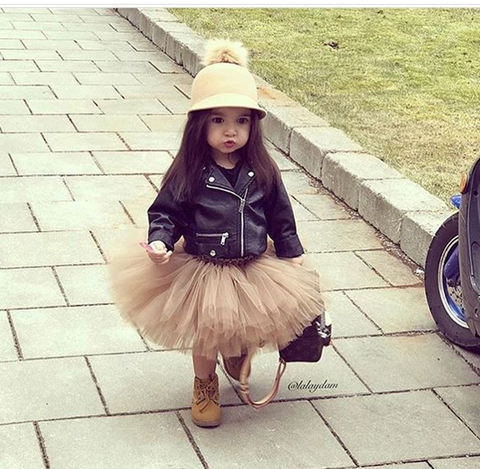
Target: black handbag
x=307, y=347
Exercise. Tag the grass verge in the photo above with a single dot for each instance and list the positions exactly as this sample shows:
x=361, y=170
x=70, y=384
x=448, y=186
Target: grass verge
x=403, y=82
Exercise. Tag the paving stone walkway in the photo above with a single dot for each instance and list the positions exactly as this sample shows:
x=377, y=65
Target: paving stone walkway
x=90, y=117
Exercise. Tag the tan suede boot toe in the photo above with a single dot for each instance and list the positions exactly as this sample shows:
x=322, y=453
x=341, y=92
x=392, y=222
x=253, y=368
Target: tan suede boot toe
x=206, y=402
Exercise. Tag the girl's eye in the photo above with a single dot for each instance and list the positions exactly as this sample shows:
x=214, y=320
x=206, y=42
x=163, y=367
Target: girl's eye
x=219, y=120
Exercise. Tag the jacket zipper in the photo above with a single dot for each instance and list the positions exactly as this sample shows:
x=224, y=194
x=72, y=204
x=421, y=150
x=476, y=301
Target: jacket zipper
x=223, y=235
x=242, y=214
x=241, y=208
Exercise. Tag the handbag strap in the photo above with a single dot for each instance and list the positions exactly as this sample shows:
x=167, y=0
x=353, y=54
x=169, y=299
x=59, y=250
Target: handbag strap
x=244, y=387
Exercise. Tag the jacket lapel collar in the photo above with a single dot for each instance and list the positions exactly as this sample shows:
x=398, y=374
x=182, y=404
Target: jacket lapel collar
x=245, y=177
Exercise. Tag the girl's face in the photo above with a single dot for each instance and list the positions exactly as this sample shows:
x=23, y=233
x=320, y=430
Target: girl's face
x=228, y=129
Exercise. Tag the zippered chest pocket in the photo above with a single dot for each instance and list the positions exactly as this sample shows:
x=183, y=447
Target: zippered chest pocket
x=212, y=244
x=223, y=236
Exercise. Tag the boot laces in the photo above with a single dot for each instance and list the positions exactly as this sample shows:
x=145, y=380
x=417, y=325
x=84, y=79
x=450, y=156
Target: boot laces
x=207, y=391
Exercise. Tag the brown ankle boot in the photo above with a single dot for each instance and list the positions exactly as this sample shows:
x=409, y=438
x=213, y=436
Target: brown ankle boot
x=206, y=402
x=233, y=365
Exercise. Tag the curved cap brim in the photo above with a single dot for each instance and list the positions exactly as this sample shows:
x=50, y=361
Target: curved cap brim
x=227, y=100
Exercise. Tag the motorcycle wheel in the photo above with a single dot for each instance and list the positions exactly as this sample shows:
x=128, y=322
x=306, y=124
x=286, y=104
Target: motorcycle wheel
x=445, y=301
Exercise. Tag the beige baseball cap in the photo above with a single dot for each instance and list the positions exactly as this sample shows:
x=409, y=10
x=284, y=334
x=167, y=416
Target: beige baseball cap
x=224, y=83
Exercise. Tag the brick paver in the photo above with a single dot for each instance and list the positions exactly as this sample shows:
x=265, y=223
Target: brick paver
x=90, y=118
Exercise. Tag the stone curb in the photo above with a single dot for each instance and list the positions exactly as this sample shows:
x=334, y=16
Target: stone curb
x=399, y=208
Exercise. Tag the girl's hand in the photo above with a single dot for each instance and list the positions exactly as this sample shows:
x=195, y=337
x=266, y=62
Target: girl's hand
x=159, y=254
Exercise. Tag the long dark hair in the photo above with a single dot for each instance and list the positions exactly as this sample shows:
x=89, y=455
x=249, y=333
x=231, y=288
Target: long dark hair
x=185, y=171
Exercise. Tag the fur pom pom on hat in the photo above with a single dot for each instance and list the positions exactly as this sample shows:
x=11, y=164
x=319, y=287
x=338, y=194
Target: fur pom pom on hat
x=225, y=80
x=225, y=51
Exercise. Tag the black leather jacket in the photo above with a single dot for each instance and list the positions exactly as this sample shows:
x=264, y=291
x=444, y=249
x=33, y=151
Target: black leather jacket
x=225, y=221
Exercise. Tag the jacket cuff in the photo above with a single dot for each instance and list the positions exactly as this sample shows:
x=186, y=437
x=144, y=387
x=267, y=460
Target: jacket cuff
x=289, y=247
x=161, y=237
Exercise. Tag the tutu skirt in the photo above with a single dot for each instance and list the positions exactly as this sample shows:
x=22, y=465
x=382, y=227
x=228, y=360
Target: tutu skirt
x=193, y=304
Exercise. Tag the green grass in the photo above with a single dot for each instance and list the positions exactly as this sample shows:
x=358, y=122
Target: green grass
x=404, y=82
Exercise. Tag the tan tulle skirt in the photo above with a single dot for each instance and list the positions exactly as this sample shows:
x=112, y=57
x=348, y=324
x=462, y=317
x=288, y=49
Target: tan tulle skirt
x=193, y=304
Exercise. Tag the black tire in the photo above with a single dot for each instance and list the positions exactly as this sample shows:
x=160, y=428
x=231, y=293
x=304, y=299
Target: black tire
x=445, y=317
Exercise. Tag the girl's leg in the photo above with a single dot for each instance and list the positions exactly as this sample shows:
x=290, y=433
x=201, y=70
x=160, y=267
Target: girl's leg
x=203, y=367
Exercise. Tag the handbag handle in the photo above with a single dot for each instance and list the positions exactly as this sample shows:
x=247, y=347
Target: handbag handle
x=244, y=388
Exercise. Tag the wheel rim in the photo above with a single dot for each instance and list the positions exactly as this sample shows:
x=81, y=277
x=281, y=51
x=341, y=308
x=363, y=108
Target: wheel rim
x=451, y=295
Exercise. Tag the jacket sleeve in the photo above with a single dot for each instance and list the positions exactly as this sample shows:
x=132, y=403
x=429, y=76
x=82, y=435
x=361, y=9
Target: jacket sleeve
x=167, y=218
x=281, y=223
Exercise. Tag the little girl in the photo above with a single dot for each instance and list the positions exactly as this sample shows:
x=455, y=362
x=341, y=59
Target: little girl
x=212, y=281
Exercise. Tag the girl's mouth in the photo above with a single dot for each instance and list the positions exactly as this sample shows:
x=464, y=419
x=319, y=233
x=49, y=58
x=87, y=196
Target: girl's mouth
x=229, y=143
